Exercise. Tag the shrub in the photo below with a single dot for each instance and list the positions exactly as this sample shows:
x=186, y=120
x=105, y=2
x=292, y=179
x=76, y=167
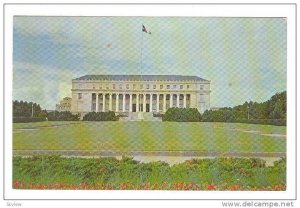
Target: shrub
x=219, y=172
x=122, y=115
x=27, y=119
x=63, y=116
x=101, y=116
x=182, y=115
x=218, y=116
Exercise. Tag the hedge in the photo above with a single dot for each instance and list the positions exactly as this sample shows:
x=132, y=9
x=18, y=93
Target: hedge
x=27, y=119
x=104, y=172
x=101, y=116
x=63, y=116
x=182, y=115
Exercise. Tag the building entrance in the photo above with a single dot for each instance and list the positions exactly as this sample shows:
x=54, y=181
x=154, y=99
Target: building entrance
x=141, y=108
x=133, y=107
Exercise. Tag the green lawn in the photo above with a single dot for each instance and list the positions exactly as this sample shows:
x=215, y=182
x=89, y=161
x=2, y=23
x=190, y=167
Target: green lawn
x=149, y=136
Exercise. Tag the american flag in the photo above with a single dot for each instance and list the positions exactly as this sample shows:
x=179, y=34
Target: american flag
x=145, y=30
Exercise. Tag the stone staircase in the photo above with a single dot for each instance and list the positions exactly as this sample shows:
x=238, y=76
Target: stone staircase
x=140, y=116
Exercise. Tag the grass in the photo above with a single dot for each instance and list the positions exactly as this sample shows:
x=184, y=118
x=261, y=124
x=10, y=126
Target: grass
x=148, y=136
x=100, y=173
x=55, y=172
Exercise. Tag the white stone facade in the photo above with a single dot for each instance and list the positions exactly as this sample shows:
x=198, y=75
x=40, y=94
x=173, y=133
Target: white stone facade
x=136, y=93
x=64, y=104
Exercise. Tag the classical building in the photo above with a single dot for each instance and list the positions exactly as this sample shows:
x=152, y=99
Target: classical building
x=64, y=104
x=139, y=93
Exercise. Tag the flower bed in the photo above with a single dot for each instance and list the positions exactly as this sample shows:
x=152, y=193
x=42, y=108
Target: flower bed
x=55, y=172
x=147, y=186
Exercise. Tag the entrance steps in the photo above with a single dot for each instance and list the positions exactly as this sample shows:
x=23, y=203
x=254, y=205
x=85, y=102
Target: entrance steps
x=140, y=116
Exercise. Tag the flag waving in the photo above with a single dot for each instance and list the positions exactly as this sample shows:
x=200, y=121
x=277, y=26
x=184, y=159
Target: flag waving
x=145, y=30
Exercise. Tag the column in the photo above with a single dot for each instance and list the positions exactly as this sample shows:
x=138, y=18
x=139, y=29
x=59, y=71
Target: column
x=171, y=100
x=124, y=97
x=91, y=104
x=177, y=102
x=137, y=103
x=164, y=103
x=151, y=102
x=184, y=100
x=103, y=101
x=130, y=102
x=144, y=102
x=157, y=103
x=117, y=102
x=110, y=101
x=97, y=104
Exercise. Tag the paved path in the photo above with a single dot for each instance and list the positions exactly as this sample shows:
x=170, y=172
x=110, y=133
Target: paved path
x=112, y=153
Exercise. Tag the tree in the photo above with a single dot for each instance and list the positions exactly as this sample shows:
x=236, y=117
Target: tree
x=24, y=109
x=43, y=114
x=273, y=111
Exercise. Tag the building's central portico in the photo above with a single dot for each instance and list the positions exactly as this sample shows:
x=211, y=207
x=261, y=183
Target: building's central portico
x=138, y=102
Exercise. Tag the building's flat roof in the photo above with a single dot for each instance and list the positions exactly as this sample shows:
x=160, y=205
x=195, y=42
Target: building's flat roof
x=141, y=78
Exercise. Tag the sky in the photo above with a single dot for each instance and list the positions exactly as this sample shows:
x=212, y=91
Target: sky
x=244, y=58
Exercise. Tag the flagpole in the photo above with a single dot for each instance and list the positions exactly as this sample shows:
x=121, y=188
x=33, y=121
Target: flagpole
x=141, y=67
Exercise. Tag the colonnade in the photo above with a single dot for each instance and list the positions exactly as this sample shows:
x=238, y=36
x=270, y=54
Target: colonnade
x=138, y=102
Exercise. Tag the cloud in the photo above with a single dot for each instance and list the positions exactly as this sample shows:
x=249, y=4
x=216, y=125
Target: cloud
x=39, y=83
x=245, y=58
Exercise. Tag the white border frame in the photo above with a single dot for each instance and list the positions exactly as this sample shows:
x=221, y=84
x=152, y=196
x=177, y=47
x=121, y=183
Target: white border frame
x=251, y=10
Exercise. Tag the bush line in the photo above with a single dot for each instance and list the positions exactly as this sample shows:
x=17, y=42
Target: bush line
x=220, y=172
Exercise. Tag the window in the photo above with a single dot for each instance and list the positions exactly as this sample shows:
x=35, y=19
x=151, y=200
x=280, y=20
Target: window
x=161, y=86
x=148, y=86
x=114, y=86
x=127, y=86
x=107, y=86
x=93, y=86
x=134, y=86
x=120, y=86
x=79, y=95
x=174, y=86
x=100, y=86
x=154, y=86
x=141, y=86
x=168, y=86
x=80, y=86
x=187, y=86
x=201, y=87
x=181, y=87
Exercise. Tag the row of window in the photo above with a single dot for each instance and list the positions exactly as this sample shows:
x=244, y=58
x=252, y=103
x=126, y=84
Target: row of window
x=201, y=96
x=147, y=86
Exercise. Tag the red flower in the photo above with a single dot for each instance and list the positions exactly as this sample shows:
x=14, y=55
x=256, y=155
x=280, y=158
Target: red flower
x=123, y=186
x=19, y=185
x=210, y=187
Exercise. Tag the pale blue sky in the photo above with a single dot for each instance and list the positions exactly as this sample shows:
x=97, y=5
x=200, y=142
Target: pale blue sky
x=245, y=58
